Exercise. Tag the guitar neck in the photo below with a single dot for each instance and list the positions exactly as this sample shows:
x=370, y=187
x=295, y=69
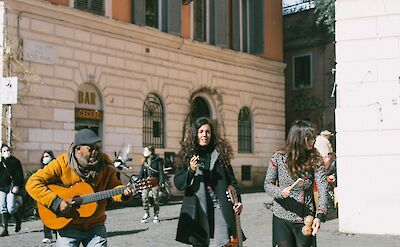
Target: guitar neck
x=102, y=195
x=239, y=231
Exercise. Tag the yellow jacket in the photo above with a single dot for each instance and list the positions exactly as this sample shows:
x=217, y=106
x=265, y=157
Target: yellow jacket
x=59, y=172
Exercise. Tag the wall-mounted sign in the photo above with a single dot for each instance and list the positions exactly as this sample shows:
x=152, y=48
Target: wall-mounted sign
x=88, y=114
x=38, y=51
x=87, y=97
x=8, y=90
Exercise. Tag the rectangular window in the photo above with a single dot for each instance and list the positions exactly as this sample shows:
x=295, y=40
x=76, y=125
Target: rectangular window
x=160, y=14
x=246, y=172
x=302, y=71
x=92, y=6
x=151, y=13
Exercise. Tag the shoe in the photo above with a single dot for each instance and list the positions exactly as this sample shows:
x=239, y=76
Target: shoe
x=156, y=219
x=4, y=232
x=17, y=222
x=46, y=241
x=145, y=218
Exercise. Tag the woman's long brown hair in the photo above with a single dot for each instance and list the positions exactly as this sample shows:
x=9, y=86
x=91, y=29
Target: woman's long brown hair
x=298, y=158
x=190, y=143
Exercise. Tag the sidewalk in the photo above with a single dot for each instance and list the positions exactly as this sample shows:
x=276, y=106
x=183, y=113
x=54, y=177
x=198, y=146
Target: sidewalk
x=124, y=229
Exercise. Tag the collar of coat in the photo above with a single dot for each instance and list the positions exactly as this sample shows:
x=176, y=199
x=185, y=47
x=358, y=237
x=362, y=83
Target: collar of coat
x=214, y=157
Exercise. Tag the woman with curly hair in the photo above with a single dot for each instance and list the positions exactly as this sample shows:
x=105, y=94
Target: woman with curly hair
x=296, y=220
x=204, y=173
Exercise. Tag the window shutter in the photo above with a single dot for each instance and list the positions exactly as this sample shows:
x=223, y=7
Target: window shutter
x=174, y=16
x=138, y=12
x=164, y=16
x=221, y=23
x=92, y=6
x=256, y=27
x=245, y=25
x=198, y=22
x=211, y=20
x=235, y=25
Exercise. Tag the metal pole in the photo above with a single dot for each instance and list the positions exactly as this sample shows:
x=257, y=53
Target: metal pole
x=9, y=130
x=1, y=64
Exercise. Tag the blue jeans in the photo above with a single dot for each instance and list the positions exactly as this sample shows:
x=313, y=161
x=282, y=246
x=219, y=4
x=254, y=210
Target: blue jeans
x=8, y=201
x=70, y=237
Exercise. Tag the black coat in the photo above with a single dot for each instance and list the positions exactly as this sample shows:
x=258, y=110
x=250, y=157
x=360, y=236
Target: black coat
x=156, y=170
x=194, y=225
x=11, y=172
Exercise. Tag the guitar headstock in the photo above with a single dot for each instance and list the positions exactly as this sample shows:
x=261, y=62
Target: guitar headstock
x=232, y=195
x=145, y=183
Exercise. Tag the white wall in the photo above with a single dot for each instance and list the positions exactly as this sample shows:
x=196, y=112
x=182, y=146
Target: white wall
x=368, y=115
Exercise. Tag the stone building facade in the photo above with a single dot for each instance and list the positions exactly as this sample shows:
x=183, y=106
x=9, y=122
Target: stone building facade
x=137, y=85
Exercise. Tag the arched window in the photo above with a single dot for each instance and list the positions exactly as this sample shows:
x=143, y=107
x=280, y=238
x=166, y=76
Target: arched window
x=245, y=137
x=200, y=108
x=153, y=122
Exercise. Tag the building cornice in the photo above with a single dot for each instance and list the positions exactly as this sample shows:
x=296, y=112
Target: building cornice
x=143, y=35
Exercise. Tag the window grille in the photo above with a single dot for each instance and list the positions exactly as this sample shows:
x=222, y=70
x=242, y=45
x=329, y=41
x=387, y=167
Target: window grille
x=92, y=6
x=153, y=122
x=244, y=131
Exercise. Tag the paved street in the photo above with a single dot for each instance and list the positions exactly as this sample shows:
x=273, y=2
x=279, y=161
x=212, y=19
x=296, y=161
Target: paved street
x=124, y=229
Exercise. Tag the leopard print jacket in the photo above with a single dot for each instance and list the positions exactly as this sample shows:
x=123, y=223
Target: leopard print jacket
x=300, y=202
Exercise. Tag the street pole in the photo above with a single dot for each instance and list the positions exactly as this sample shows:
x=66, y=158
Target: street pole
x=1, y=65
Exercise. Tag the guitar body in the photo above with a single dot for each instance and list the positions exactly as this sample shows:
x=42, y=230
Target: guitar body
x=56, y=222
x=85, y=201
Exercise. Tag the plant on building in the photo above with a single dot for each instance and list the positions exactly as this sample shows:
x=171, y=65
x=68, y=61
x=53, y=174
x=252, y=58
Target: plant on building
x=325, y=11
x=310, y=105
x=14, y=66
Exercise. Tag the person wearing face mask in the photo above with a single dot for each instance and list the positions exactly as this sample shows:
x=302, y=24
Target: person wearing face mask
x=152, y=167
x=47, y=156
x=11, y=181
x=83, y=161
x=204, y=172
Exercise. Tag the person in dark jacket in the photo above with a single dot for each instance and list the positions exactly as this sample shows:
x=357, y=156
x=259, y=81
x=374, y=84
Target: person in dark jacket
x=11, y=182
x=46, y=158
x=204, y=172
x=152, y=167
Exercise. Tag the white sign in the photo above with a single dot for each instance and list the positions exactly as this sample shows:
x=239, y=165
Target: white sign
x=8, y=90
x=37, y=51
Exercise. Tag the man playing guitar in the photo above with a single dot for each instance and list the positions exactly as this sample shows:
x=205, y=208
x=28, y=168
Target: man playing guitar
x=83, y=162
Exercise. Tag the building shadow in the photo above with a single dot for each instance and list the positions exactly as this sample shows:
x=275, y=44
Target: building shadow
x=118, y=233
x=170, y=218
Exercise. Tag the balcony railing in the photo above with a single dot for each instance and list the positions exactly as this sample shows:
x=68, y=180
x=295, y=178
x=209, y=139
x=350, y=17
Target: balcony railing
x=300, y=6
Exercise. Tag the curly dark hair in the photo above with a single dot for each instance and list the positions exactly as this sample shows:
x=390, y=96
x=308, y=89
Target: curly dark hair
x=298, y=158
x=189, y=146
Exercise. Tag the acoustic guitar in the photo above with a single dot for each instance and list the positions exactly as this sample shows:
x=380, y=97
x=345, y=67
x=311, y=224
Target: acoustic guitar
x=238, y=240
x=84, y=201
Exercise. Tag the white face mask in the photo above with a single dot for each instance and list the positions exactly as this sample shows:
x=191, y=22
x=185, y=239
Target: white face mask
x=46, y=160
x=6, y=154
